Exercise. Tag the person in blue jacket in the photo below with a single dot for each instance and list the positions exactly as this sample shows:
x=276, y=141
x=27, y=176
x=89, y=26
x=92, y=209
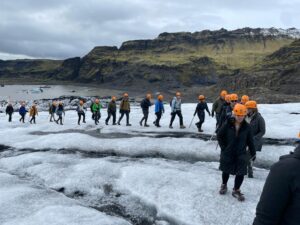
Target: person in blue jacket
x=22, y=112
x=159, y=110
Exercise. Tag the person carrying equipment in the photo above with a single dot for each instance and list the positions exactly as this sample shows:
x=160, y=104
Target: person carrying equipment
x=145, y=105
x=33, y=112
x=258, y=126
x=22, y=112
x=96, y=107
x=52, y=111
x=202, y=105
x=176, y=110
x=81, y=112
x=125, y=109
x=59, y=112
x=159, y=109
x=112, y=111
x=234, y=137
x=226, y=110
x=217, y=107
x=9, y=111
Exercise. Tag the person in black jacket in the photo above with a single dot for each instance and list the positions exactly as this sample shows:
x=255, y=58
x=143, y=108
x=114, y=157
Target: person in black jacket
x=258, y=126
x=111, y=111
x=145, y=105
x=9, y=111
x=234, y=137
x=202, y=105
x=279, y=203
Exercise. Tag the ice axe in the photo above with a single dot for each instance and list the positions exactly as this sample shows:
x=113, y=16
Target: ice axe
x=191, y=121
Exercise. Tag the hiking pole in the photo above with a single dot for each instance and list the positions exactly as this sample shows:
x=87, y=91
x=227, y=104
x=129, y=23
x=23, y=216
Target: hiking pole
x=191, y=122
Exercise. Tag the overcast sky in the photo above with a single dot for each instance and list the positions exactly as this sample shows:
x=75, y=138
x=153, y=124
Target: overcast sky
x=68, y=28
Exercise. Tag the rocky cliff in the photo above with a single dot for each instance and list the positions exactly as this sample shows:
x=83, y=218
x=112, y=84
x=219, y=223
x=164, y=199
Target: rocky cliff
x=241, y=59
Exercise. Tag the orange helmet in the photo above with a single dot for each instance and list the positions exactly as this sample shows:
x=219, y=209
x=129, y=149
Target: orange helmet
x=223, y=93
x=178, y=93
x=201, y=97
x=240, y=110
x=244, y=99
x=251, y=105
x=148, y=96
x=113, y=98
x=234, y=97
x=125, y=95
x=160, y=97
x=227, y=98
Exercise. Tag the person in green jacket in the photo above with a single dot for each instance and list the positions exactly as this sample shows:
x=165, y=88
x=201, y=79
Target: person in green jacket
x=125, y=109
x=96, y=110
x=217, y=107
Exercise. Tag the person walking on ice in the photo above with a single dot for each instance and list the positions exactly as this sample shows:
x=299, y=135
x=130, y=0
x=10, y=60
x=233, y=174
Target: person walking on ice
x=234, y=137
x=81, y=112
x=52, y=111
x=9, y=111
x=33, y=112
x=112, y=111
x=145, y=105
x=176, y=110
x=202, y=105
x=159, y=109
x=96, y=107
x=258, y=126
x=60, y=111
x=125, y=109
x=22, y=112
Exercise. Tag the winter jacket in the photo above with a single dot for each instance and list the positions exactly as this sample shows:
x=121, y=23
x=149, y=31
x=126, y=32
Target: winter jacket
x=80, y=109
x=159, y=106
x=9, y=109
x=112, y=107
x=145, y=104
x=234, y=158
x=279, y=203
x=33, y=111
x=226, y=113
x=22, y=110
x=200, y=109
x=125, y=105
x=258, y=127
x=60, y=110
x=176, y=105
x=96, y=107
x=217, y=106
x=52, y=109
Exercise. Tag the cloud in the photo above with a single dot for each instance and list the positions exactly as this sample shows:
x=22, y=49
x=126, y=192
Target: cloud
x=68, y=28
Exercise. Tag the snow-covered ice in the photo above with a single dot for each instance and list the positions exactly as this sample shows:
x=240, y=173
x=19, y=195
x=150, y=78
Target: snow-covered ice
x=88, y=174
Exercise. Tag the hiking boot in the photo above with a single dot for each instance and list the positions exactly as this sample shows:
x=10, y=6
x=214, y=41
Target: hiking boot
x=154, y=123
x=141, y=123
x=200, y=130
x=146, y=125
x=157, y=125
x=223, y=189
x=106, y=123
x=170, y=127
x=56, y=121
x=119, y=123
x=84, y=121
x=128, y=125
x=182, y=127
x=114, y=124
x=238, y=195
x=250, y=175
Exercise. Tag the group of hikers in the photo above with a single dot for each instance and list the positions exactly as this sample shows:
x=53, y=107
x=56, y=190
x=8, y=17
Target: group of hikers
x=239, y=131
